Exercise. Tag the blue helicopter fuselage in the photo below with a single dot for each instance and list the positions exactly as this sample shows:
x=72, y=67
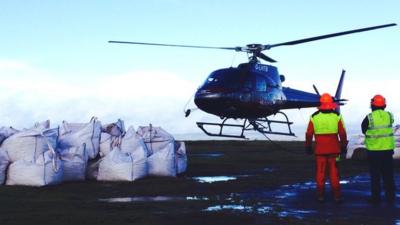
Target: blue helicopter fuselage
x=249, y=91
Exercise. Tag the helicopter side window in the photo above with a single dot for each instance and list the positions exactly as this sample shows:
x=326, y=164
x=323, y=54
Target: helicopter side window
x=248, y=84
x=261, y=83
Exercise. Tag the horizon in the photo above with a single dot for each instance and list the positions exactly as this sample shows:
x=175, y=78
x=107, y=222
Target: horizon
x=56, y=62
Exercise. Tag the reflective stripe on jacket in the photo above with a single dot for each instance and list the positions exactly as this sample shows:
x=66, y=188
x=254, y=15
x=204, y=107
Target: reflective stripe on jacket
x=379, y=135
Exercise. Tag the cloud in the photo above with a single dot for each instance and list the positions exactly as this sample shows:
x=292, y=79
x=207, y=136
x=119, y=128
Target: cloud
x=139, y=97
x=32, y=94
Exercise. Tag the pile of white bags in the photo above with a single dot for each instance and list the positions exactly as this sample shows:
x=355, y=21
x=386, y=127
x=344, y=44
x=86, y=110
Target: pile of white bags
x=356, y=148
x=42, y=156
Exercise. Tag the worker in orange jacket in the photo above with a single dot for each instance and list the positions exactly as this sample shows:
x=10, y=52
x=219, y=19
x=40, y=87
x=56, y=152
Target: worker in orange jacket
x=327, y=126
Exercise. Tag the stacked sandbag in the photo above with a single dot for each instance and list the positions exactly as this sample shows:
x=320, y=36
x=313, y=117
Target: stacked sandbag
x=74, y=161
x=77, y=134
x=161, y=147
x=125, y=162
x=4, y=162
x=46, y=169
x=6, y=132
x=180, y=157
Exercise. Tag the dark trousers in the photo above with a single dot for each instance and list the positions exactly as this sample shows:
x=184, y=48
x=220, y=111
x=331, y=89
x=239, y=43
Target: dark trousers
x=381, y=167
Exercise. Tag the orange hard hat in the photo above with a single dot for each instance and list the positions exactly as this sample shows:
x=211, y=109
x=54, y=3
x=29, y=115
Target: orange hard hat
x=378, y=101
x=326, y=101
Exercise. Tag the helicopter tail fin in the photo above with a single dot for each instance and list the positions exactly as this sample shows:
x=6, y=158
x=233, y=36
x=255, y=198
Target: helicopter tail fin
x=338, y=94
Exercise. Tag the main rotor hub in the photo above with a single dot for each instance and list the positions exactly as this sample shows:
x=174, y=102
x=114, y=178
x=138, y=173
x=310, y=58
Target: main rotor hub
x=254, y=47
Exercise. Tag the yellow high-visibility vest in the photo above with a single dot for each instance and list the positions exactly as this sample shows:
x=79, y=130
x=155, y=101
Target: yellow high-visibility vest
x=326, y=123
x=379, y=135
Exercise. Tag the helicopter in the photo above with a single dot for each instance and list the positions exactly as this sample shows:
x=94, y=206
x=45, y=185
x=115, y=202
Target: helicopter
x=252, y=92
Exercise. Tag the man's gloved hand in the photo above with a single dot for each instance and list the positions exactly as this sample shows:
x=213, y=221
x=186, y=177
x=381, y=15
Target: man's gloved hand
x=343, y=152
x=309, y=150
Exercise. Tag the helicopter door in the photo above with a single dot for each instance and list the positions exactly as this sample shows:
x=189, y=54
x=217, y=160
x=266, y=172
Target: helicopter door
x=261, y=95
x=246, y=89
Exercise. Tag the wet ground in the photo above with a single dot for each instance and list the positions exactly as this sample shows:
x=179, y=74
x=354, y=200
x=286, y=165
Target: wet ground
x=226, y=183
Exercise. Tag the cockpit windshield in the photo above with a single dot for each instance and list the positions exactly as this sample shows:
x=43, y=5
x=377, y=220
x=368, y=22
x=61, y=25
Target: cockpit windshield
x=228, y=79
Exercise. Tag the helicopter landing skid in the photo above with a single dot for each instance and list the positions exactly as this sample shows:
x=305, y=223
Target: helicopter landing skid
x=262, y=125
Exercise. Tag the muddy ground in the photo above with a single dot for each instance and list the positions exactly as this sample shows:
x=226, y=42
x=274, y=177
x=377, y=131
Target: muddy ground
x=261, y=183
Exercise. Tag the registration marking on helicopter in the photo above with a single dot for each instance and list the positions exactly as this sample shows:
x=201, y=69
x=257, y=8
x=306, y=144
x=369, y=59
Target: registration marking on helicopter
x=261, y=67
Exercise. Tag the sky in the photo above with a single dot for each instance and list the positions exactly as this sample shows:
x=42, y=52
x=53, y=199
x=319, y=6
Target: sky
x=56, y=62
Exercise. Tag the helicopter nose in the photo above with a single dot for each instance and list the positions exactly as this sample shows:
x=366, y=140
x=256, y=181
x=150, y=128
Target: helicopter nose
x=209, y=101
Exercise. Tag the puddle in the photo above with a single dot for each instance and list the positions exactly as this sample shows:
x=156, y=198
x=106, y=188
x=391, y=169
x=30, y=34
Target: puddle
x=269, y=170
x=212, y=155
x=153, y=199
x=214, y=179
x=300, y=214
x=298, y=201
x=241, y=208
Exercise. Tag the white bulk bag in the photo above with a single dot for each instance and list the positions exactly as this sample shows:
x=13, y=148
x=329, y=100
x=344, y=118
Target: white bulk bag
x=45, y=170
x=355, y=141
x=114, y=129
x=74, y=161
x=30, y=143
x=155, y=138
x=108, y=142
x=76, y=134
x=180, y=157
x=161, y=146
x=111, y=135
x=133, y=143
x=4, y=161
x=6, y=132
x=162, y=163
x=120, y=166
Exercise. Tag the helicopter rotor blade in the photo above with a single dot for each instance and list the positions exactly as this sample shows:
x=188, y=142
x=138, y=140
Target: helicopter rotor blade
x=300, y=41
x=266, y=58
x=175, y=45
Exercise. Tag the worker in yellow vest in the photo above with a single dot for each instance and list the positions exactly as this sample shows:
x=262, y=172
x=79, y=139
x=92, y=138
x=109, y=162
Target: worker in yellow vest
x=327, y=126
x=379, y=140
